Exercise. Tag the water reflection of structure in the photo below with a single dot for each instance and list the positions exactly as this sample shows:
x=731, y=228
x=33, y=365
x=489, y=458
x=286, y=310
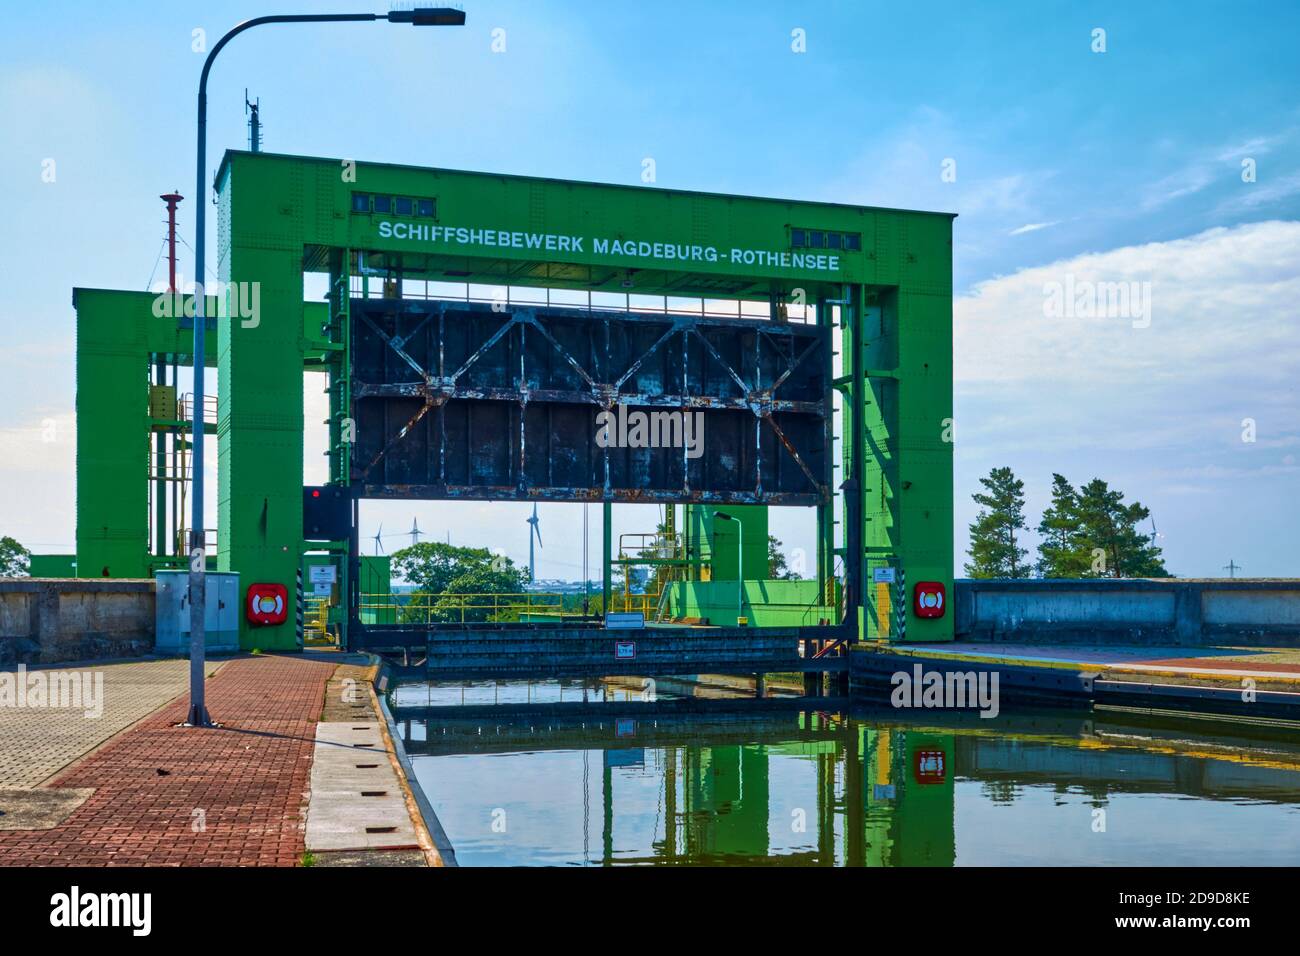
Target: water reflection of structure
x=883, y=788
x=714, y=777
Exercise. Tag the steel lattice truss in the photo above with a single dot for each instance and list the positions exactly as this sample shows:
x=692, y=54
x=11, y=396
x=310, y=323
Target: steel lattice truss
x=457, y=400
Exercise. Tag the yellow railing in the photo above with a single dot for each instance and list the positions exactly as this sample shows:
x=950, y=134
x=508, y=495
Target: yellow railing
x=646, y=603
x=640, y=545
x=425, y=608
x=316, y=621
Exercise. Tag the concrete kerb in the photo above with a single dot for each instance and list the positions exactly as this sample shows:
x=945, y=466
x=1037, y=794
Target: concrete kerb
x=433, y=837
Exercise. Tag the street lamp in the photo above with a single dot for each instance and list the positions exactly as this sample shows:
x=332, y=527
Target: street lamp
x=740, y=562
x=420, y=17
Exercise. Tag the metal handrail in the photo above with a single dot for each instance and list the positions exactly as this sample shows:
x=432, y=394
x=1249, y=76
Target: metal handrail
x=736, y=308
x=424, y=607
x=186, y=404
x=209, y=540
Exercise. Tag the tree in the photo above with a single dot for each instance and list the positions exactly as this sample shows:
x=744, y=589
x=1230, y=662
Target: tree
x=1092, y=533
x=994, y=540
x=457, y=584
x=1108, y=528
x=637, y=578
x=474, y=594
x=432, y=565
x=777, y=569
x=1061, y=552
x=14, y=559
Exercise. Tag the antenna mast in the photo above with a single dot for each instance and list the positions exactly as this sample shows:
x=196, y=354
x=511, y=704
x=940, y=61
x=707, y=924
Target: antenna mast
x=254, y=122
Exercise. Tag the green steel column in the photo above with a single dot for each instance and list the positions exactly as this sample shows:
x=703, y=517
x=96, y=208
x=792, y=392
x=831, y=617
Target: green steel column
x=117, y=333
x=882, y=539
x=856, y=469
x=160, y=464
x=606, y=537
x=826, y=512
x=112, y=437
x=909, y=511
x=688, y=544
x=260, y=369
x=339, y=371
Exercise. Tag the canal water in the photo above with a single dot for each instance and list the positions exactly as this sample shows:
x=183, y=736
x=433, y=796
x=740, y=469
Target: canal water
x=812, y=785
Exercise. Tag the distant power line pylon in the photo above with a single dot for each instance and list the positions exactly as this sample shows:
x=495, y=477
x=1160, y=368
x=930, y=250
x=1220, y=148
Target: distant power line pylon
x=1232, y=567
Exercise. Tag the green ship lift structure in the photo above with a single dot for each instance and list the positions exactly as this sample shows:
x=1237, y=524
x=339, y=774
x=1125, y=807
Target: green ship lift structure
x=813, y=339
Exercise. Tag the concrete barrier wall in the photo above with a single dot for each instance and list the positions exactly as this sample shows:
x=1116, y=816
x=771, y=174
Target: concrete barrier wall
x=1263, y=607
x=48, y=620
x=1143, y=611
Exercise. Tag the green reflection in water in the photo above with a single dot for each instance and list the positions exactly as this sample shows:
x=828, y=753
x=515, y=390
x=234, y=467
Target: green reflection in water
x=809, y=788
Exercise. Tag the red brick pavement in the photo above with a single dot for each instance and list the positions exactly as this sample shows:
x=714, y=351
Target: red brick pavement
x=250, y=779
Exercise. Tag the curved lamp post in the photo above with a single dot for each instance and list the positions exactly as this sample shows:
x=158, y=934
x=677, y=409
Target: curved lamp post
x=420, y=17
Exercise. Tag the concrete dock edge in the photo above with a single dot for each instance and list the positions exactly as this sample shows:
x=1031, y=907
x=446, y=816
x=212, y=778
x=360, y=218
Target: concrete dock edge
x=441, y=842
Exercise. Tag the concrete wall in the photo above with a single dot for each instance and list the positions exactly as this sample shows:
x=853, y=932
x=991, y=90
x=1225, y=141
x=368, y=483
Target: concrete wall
x=48, y=620
x=1140, y=611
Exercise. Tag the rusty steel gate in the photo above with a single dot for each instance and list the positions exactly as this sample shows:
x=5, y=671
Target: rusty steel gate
x=466, y=400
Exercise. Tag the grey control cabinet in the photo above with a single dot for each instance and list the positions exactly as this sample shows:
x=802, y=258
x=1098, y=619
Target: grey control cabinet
x=221, y=616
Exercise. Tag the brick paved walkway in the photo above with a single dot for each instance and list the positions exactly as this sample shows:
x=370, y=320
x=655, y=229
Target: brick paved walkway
x=38, y=742
x=167, y=795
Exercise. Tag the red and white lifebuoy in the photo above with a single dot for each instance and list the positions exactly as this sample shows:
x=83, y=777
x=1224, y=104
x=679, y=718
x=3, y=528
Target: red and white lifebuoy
x=267, y=604
x=929, y=599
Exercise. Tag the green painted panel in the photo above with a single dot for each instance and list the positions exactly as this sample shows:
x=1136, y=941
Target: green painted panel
x=715, y=542
x=116, y=334
x=53, y=566
x=767, y=603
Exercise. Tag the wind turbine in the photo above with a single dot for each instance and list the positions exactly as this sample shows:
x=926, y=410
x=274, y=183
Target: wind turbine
x=533, y=532
x=379, y=539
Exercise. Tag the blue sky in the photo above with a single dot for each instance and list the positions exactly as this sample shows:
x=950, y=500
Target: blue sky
x=1125, y=164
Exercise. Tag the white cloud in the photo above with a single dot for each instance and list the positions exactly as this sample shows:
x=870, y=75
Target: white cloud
x=1156, y=410
x=1032, y=227
x=1222, y=310
x=1205, y=167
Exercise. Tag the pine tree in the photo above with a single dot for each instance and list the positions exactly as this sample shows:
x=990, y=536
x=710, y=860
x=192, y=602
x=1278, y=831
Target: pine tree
x=995, y=550
x=1061, y=552
x=1108, y=529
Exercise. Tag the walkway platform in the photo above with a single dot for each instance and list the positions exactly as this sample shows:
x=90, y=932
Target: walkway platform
x=1212, y=665
x=132, y=787
x=1252, y=682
